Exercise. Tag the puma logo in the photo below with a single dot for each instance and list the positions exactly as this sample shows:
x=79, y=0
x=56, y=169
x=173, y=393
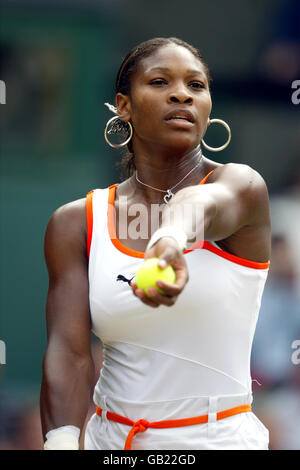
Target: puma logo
x=124, y=279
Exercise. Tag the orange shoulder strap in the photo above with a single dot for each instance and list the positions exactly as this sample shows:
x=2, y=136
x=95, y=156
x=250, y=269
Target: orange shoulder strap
x=89, y=218
x=205, y=178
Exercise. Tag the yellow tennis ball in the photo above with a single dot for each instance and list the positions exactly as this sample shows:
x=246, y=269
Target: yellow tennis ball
x=149, y=272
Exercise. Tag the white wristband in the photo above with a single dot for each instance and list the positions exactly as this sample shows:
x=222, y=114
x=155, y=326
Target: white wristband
x=63, y=438
x=170, y=231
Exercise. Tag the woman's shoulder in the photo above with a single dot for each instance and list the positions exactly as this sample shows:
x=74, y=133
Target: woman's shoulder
x=246, y=184
x=70, y=213
x=238, y=174
x=73, y=214
x=248, y=193
x=231, y=167
x=67, y=225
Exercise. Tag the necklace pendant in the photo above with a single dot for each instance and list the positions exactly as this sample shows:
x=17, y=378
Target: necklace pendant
x=168, y=196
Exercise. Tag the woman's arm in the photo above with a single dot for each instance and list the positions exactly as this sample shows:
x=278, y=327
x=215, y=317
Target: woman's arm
x=234, y=199
x=67, y=365
x=235, y=196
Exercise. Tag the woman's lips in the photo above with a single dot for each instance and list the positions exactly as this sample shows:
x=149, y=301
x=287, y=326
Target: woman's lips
x=179, y=123
x=179, y=118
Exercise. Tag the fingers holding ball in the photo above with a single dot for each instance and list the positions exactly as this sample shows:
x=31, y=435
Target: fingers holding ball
x=149, y=273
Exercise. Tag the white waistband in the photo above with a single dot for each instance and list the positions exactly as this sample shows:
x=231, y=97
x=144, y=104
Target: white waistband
x=171, y=409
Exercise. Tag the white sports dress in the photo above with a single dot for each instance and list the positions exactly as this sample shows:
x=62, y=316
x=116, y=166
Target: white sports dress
x=169, y=363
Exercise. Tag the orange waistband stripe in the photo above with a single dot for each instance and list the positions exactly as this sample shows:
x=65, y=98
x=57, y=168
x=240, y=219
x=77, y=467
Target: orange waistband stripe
x=142, y=424
x=89, y=220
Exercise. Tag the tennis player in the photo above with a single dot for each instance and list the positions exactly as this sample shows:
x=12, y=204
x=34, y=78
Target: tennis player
x=176, y=370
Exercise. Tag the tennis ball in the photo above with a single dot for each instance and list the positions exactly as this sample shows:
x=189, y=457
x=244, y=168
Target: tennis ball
x=149, y=272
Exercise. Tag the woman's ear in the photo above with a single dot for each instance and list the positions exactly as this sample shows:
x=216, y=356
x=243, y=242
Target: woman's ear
x=123, y=107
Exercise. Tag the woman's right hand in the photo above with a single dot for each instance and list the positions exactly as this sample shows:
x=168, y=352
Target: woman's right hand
x=169, y=253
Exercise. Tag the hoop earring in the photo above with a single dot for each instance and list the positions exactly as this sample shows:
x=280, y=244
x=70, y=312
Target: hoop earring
x=218, y=149
x=115, y=118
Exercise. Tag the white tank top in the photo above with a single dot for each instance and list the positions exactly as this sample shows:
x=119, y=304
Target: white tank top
x=199, y=347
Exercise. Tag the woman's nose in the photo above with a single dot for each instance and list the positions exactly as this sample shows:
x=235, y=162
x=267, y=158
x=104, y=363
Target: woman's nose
x=180, y=96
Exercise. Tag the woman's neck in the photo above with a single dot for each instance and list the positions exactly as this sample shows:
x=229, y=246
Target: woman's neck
x=163, y=171
x=179, y=171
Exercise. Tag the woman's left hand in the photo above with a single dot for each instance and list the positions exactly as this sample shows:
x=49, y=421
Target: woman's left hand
x=169, y=253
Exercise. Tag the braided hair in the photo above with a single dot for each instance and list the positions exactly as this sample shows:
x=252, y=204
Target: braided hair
x=123, y=85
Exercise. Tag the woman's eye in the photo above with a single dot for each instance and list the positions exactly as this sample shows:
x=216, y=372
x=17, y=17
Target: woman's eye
x=197, y=85
x=161, y=81
x=158, y=81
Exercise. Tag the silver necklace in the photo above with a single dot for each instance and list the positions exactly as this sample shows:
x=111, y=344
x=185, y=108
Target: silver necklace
x=169, y=194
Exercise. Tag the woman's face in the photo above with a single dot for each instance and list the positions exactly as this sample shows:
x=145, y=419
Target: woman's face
x=169, y=102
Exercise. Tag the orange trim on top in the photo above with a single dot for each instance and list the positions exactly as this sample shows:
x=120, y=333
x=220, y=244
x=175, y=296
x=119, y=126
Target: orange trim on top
x=205, y=178
x=89, y=218
x=224, y=254
x=142, y=424
x=111, y=223
x=111, y=226
x=206, y=245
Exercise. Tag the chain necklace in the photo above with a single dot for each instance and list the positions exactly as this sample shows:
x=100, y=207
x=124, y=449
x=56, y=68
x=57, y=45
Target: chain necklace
x=169, y=194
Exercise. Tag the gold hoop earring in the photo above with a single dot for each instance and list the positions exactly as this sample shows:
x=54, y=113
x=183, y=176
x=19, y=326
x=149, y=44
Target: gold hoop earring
x=120, y=127
x=218, y=149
